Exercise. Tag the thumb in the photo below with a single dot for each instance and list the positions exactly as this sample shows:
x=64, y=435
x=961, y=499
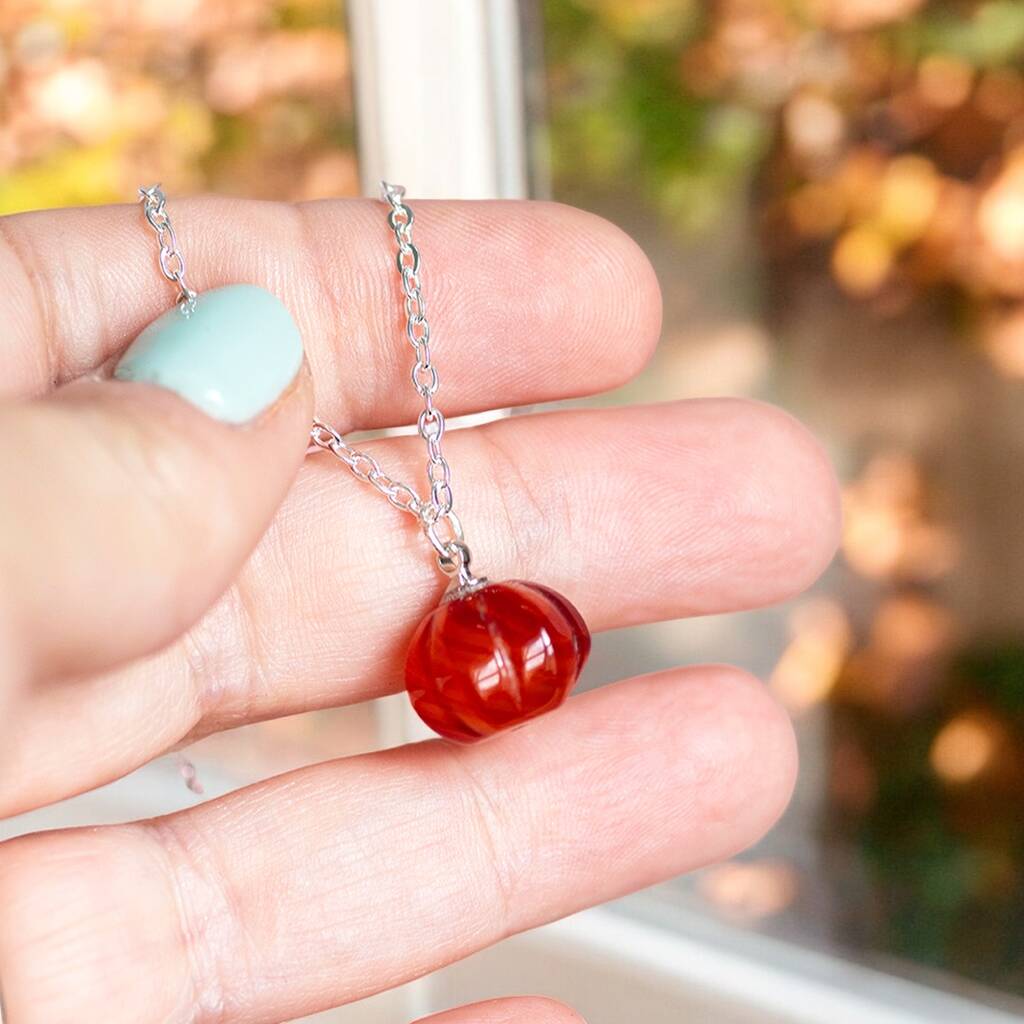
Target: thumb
x=128, y=505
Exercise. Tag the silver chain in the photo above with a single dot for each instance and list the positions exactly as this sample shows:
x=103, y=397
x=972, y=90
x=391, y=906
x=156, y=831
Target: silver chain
x=172, y=263
x=435, y=513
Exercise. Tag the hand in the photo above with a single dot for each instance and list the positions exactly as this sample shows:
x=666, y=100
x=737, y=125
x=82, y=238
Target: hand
x=154, y=592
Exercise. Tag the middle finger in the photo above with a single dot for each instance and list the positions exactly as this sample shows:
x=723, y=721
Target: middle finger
x=636, y=514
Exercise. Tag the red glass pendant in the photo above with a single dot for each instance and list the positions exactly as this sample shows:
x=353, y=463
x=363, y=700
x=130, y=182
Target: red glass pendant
x=494, y=657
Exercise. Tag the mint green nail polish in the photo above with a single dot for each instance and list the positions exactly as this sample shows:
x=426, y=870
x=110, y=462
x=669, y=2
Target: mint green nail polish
x=233, y=357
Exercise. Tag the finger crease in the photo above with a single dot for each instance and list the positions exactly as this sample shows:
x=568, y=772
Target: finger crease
x=517, y=494
x=488, y=821
x=224, y=661
x=209, y=919
x=315, y=262
x=45, y=314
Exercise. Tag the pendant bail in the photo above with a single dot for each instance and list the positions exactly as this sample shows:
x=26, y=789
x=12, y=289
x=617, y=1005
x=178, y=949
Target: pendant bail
x=453, y=554
x=391, y=193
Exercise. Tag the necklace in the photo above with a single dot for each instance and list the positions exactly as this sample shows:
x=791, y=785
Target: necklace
x=491, y=656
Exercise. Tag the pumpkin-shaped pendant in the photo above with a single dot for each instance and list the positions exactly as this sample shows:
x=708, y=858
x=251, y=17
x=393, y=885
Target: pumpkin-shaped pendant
x=493, y=656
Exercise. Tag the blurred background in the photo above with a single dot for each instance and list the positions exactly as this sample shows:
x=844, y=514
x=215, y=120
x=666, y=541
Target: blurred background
x=832, y=192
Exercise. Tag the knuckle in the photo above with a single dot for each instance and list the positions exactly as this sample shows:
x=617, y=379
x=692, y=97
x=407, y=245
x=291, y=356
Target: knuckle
x=207, y=916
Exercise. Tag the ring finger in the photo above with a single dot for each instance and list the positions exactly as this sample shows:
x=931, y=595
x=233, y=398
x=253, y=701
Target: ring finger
x=336, y=881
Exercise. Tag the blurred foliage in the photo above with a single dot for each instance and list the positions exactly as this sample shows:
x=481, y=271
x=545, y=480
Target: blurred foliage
x=942, y=835
x=246, y=97
x=891, y=129
x=620, y=111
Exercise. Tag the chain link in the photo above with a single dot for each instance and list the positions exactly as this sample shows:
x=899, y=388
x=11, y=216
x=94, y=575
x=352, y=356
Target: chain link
x=437, y=517
x=366, y=468
x=435, y=513
x=172, y=262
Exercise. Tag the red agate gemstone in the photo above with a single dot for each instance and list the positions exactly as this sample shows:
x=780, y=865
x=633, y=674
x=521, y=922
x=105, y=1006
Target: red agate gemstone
x=493, y=658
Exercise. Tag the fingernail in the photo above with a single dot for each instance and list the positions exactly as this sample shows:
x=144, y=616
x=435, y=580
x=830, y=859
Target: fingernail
x=232, y=357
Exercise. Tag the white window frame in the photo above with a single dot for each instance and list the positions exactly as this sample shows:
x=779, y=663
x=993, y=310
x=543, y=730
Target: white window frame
x=439, y=97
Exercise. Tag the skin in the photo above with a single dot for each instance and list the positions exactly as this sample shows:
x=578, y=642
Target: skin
x=167, y=576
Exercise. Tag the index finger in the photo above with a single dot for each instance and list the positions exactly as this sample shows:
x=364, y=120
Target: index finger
x=528, y=301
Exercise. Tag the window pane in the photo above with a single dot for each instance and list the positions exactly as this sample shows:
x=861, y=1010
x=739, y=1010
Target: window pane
x=833, y=195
